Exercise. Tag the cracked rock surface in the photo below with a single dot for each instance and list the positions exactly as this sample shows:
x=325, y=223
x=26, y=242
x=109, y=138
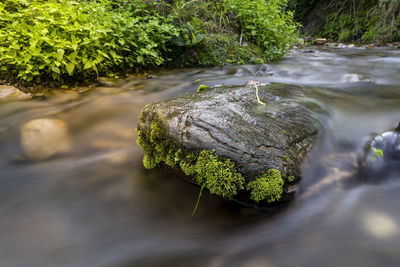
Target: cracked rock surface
x=229, y=121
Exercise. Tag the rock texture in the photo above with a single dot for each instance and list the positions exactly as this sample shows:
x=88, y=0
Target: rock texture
x=12, y=93
x=229, y=122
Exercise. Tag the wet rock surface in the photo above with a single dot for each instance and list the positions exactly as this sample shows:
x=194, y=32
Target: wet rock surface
x=381, y=158
x=8, y=92
x=230, y=122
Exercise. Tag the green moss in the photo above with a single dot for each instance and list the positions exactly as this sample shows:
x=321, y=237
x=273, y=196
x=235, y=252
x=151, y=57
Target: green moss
x=188, y=164
x=156, y=147
x=218, y=174
x=286, y=158
x=269, y=186
x=291, y=178
x=202, y=88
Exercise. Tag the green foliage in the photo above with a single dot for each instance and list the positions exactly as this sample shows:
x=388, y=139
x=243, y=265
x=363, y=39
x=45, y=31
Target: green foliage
x=377, y=20
x=269, y=186
x=346, y=35
x=188, y=36
x=339, y=27
x=65, y=40
x=74, y=41
x=222, y=49
x=378, y=152
x=266, y=24
x=208, y=16
x=267, y=29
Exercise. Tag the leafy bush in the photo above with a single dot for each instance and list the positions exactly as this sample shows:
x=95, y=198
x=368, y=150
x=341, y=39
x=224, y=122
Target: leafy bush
x=266, y=24
x=70, y=40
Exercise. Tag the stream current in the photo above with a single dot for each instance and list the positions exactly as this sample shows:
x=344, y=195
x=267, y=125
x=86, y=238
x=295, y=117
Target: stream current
x=96, y=205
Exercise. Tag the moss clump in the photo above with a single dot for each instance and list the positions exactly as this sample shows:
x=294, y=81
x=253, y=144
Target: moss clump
x=291, y=178
x=188, y=164
x=286, y=158
x=218, y=175
x=157, y=148
x=269, y=186
x=202, y=88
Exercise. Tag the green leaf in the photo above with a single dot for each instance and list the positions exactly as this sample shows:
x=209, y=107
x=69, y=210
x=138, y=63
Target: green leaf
x=87, y=65
x=378, y=152
x=60, y=54
x=70, y=68
x=55, y=69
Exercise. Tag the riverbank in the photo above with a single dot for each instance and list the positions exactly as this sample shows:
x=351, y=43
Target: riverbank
x=18, y=91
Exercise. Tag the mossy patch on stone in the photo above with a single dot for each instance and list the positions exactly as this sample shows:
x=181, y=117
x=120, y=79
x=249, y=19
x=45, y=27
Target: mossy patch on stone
x=269, y=186
x=218, y=174
x=291, y=179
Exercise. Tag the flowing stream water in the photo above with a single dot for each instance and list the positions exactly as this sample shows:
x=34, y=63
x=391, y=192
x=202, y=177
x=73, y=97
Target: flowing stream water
x=96, y=205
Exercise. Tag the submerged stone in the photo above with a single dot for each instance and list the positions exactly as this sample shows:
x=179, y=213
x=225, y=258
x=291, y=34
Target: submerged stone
x=44, y=138
x=381, y=157
x=229, y=143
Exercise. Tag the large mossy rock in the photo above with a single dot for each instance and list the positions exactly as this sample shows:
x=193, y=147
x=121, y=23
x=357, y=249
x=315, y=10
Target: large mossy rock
x=229, y=143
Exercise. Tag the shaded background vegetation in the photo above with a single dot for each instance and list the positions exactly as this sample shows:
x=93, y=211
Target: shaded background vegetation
x=376, y=20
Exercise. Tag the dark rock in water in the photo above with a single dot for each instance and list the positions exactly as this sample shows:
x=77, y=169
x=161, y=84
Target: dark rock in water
x=381, y=158
x=231, y=145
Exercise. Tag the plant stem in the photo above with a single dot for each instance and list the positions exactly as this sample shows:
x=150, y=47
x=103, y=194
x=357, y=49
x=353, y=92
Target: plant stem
x=198, y=199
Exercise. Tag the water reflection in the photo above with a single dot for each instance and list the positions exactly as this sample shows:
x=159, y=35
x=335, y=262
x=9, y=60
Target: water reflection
x=95, y=205
x=380, y=225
